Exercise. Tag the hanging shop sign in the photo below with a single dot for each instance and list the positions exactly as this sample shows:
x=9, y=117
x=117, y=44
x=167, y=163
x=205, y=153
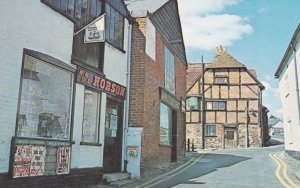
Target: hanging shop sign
x=98, y=82
x=63, y=160
x=95, y=32
x=193, y=102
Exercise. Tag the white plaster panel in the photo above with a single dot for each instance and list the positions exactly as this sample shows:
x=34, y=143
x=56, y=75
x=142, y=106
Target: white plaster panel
x=288, y=95
x=115, y=61
x=31, y=25
x=150, y=39
x=85, y=156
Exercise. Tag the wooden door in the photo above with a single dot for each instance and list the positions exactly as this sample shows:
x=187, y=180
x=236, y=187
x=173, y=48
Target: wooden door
x=230, y=138
x=113, y=136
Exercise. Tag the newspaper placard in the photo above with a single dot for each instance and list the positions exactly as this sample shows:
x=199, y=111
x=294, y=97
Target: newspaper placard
x=37, y=165
x=63, y=160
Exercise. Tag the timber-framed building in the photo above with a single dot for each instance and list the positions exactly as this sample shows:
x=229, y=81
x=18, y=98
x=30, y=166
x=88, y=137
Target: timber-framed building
x=228, y=104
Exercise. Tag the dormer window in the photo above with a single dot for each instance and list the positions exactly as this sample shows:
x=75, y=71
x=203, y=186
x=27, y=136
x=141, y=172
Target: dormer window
x=221, y=80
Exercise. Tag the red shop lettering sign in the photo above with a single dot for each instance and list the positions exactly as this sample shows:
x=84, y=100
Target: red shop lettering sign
x=99, y=82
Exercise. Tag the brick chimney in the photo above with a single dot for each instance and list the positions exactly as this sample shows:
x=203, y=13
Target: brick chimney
x=220, y=50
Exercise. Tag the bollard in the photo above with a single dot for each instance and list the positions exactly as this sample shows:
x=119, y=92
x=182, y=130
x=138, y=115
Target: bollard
x=188, y=145
x=193, y=146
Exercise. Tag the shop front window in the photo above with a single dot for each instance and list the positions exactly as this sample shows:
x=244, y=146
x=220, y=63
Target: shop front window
x=90, y=131
x=165, y=124
x=45, y=105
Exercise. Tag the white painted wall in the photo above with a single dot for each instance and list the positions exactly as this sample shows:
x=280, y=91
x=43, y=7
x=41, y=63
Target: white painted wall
x=288, y=95
x=115, y=61
x=85, y=156
x=33, y=25
x=150, y=39
x=115, y=69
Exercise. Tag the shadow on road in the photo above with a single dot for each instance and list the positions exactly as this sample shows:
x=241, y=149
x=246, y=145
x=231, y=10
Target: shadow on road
x=207, y=164
x=273, y=142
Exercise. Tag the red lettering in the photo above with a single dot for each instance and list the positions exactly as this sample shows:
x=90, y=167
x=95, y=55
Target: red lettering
x=84, y=75
x=96, y=81
x=102, y=83
x=118, y=89
x=113, y=88
x=122, y=92
x=108, y=85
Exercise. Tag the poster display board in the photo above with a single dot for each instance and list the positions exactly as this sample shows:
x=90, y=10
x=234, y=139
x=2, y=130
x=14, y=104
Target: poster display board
x=29, y=161
x=63, y=160
x=22, y=160
x=37, y=165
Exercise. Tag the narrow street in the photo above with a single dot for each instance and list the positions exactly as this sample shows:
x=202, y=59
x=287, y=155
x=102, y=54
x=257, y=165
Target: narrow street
x=225, y=168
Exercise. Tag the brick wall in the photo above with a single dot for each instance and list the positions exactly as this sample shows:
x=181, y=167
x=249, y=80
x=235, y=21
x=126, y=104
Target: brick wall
x=147, y=75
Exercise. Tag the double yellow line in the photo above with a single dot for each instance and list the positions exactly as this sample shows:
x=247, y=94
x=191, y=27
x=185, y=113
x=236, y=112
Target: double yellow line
x=170, y=174
x=282, y=170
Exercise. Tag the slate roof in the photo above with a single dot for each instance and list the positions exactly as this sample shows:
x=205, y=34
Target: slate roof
x=140, y=8
x=273, y=121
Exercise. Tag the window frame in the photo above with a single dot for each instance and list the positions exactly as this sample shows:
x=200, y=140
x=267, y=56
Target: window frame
x=215, y=105
x=211, y=133
x=169, y=126
x=231, y=136
x=78, y=23
x=170, y=75
x=118, y=17
x=59, y=65
x=217, y=80
x=97, y=142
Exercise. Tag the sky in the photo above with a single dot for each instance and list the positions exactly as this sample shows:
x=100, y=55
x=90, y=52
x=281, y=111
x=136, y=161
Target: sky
x=256, y=33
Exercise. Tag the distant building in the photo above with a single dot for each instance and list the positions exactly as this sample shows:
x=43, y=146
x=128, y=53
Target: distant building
x=275, y=126
x=230, y=114
x=157, y=90
x=288, y=74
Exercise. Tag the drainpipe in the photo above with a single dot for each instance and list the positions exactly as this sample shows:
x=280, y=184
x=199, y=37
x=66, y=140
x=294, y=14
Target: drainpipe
x=297, y=81
x=203, y=106
x=125, y=131
x=262, y=126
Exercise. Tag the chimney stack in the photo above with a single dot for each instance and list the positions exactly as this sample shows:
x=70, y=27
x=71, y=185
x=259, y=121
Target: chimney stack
x=221, y=50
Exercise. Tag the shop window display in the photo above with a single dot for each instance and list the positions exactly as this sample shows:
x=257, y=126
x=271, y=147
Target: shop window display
x=90, y=125
x=45, y=104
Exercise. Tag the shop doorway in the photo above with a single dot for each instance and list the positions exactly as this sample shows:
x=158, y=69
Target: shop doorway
x=230, y=138
x=112, y=159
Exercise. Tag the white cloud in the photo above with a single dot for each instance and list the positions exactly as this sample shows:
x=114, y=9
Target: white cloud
x=204, y=27
x=269, y=77
x=272, y=92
